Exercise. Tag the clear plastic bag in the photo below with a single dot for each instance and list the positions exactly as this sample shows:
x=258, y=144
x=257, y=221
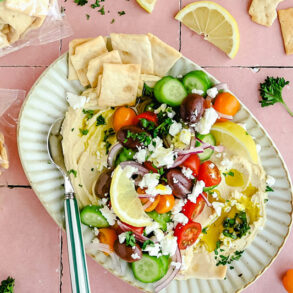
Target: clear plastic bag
x=10, y=104
x=48, y=25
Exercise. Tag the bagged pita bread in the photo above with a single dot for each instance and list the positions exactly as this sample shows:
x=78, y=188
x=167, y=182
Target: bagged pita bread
x=264, y=11
x=164, y=56
x=134, y=49
x=4, y=163
x=119, y=85
x=84, y=53
x=29, y=7
x=286, y=22
x=72, y=75
x=95, y=67
x=147, y=79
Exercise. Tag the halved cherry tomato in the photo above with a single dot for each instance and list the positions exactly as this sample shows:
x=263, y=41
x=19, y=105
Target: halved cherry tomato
x=153, y=204
x=107, y=236
x=165, y=204
x=187, y=234
x=123, y=116
x=192, y=210
x=209, y=174
x=150, y=166
x=138, y=230
x=150, y=116
x=226, y=103
x=192, y=163
x=288, y=281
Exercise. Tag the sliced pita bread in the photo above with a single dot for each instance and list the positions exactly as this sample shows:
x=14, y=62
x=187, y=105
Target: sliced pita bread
x=95, y=67
x=264, y=11
x=164, y=56
x=119, y=84
x=286, y=22
x=148, y=79
x=4, y=163
x=134, y=49
x=84, y=53
x=3, y=40
x=29, y=7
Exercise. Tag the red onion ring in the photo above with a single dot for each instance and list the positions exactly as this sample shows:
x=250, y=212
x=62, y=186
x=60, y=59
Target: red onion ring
x=221, y=115
x=113, y=154
x=196, y=150
x=138, y=236
x=146, y=195
x=206, y=200
x=141, y=169
x=193, y=140
x=217, y=148
x=147, y=204
x=221, y=86
x=179, y=160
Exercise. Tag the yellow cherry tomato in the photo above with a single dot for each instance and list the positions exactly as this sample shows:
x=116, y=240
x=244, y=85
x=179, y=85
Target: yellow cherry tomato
x=288, y=281
x=165, y=204
x=123, y=116
x=107, y=236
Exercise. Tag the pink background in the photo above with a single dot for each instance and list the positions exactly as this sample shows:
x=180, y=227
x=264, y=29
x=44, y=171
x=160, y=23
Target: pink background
x=33, y=248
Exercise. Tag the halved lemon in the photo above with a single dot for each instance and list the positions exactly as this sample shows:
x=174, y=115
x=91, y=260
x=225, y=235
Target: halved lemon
x=214, y=22
x=125, y=202
x=147, y=5
x=235, y=138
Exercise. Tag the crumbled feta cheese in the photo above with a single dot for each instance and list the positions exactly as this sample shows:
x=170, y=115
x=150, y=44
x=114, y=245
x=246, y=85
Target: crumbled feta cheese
x=214, y=195
x=149, y=181
x=270, y=180
x=75, y=101
x=170, y=113
x=163, y=157
x=218, y=155
x=96, y=231
x=187, y=172
x=196, y=91
x=170, y=226
x=103, y=201
x=153, y=250
x=150, y=228
x=212, y=165
x=140, y=156
x=129, y=171
x=179, y=203
x=169, y=245
x=162, y=108
x=122, y=237
x=162, y=189
x=175, y=128
x=258, y=148
x=177, y=265
x=212, y=92
x=228, y=164
x=135, y=256
x=155, y=144
x=207, y=121
x=196, y=191
x=179, y=219
x=108, y=214
x=185, y=136
x=159, y=234
x=96, y=241
x=175, y=180
x=218, y=207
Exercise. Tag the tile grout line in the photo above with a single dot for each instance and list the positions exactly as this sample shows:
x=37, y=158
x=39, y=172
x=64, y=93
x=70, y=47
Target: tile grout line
x=12, y=186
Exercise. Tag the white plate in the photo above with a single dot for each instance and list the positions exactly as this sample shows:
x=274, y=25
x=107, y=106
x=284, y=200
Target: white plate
x=46, y=102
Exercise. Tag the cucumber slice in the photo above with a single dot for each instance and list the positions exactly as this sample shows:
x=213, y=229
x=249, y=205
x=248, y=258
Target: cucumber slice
x=170, y=90
x=196, y=79
x=92, y=217
x=162, y=219
x=148, y=269
x=165, y=260
x=208, y=138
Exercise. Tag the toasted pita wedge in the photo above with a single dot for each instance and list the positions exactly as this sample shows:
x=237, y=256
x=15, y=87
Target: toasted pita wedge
x=119, y=84
x=3, y=40
x=286, y=22
x=134, y=49
x=264, y=11
x=4, y=163
x=147, y=79
x=164, y=56
x=29, y=7
x=84, y=53
x=95, y=67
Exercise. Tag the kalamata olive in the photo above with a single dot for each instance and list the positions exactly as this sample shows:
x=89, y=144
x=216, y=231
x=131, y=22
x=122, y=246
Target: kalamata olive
x=192, y=108
x=126, y=252
x=103, y=183
x=131, y=141
x=181, y=186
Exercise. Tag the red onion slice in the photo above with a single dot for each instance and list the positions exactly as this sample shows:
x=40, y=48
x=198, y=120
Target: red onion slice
x=147, y=205
x=138, y=236
x=93, y=247
x=221, y=86
x=206, y=200
x=196, y=150
x=221, y=115
x=141, y=169
x=180, y=160
x=146, y=195
x=193, y=140
x=217, y=148
x=113, y=153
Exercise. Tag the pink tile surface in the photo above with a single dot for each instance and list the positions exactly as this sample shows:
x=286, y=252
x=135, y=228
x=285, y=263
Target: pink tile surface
x=30, y=242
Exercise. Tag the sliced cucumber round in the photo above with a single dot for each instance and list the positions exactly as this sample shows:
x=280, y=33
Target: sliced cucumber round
x=165, y=260
x=91, y=216
x=208, y=138
x=196, y=79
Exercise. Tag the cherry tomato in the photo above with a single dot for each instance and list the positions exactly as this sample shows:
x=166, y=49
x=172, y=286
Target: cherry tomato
x=153, y=204
x=107, y=236
x=288, y=281
x=209, y=173
x=192, y=163
x=165, y=204
x=150, y=116
x=187, y=234
x=138, y=230
x=192, y=210
x=123, y=116
x=226, y=103
x=150, y=166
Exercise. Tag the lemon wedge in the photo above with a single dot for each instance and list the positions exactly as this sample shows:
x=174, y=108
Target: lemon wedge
x=234, y=137
x=214, y=22
x=125, y=201
x=147, y=5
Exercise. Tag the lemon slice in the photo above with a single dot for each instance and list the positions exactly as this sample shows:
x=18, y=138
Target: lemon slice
x=147, y=5
x=235, y=138
x=125, y=202
x=214, y=22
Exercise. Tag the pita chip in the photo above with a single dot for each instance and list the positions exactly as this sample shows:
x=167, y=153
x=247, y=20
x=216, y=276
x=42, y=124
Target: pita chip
x=84, y=53
x=134, y=49
x=95, y=67
x=147, y=79
x=286, y=22
x=29, y=7
x=264, y=11
x=164, y=56
x=4, y=163
x=119, y=84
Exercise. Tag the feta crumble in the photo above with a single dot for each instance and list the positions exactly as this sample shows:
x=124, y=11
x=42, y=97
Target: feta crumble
x=218, y=207
x=175, y=128
x=207, y=121
x=196, y=91
x=177, y=265
x=179, y=219
x=258, y=148
x=122, y=237
x=212, y=92
x=196, y=191
x=96, y=231
x=135, y=256
x=163, y=157
x=149, y=181
x=169, y=245
x=129, y=171
x=140, y=156
x=187, y=172
x=159, y=234
x=109, y=215
x=179, y=203
x=153, y=250
x=151, y=228
x=185, y=136
x=75, y=101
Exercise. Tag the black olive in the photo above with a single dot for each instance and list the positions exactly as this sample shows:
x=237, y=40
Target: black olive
x=192, y=108
x=102, y=187
x=125, y=252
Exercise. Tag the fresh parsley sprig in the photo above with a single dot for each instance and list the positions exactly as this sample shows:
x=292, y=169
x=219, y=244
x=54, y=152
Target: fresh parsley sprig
x=7, y=286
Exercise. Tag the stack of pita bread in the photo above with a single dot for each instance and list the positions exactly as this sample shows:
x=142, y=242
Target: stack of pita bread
x=116, y=68
x=17, y=17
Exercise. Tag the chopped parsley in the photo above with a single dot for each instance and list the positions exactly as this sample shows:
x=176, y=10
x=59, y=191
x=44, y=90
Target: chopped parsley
x=147, y=91
x=269, y=189
x=80, y=2
x=113, y=20
x=146, y=124
x=230, y=173
x=142, y=137
x=266, y=200
x=83, y=131
x=147, y=243
x=72, y=171
x=130, y=239
x=72, y=129
x=88, y=113
x=80, y=185
x=7, y=286
x=102, y=10
x=100, y=120
x=163, y=128
x=108, y=133
x=204, y=230
x=224, y=260
x=121, y=12
x=96, y=4
x=87, y=16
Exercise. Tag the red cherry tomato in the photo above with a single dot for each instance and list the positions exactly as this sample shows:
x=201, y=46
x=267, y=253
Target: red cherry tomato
x=138, y=230
x=150, y=166
x=209, y=173
x=192, y=163
x=192, y=210
x=187, y=234
x=150, y=116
